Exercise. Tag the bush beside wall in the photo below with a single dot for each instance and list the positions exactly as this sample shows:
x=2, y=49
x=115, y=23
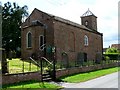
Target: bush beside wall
x=113, y=56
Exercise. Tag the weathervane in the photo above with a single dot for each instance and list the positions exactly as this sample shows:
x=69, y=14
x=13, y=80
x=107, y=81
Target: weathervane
x=88, y=13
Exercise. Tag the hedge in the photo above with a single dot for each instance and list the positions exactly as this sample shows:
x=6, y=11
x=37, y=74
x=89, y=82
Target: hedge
x=113, y=56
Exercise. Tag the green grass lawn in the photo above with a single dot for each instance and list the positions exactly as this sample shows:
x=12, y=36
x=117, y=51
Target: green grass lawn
x=31, y=84
x=16, y=66
x=89, y=75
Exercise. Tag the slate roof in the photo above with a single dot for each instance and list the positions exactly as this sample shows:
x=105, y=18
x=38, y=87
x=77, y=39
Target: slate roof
x=116, y=46
x=69, y=22
x=75, y=24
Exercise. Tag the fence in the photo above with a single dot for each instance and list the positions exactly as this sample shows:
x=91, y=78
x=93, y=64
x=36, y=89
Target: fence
x=73, y=63
x=21, y=66
x=82, y=60
x=13, y=78
x=20, y=70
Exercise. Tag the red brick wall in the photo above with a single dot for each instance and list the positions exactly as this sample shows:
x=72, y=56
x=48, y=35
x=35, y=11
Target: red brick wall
x=36, y=32
x=64, y=43
x=65, y=37
x=92, y=21
x=13, y=78
x=76, y=70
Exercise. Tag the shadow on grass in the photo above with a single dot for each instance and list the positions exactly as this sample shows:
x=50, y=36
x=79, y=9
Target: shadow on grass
x=31, y=84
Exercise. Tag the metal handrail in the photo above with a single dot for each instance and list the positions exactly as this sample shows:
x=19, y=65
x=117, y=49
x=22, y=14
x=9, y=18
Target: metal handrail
x=34, y=61
x=46, y=60
x=41, y=58
x=43, y=46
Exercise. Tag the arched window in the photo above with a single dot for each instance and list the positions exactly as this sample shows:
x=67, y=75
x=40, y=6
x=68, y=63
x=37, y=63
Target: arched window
x=72, y=41
x=86, y=40
x=86, y=23
x=41, y=42
x=29, y=39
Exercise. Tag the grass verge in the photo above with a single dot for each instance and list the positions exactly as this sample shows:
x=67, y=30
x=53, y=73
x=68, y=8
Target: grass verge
x=31, y=84
x=88, y=75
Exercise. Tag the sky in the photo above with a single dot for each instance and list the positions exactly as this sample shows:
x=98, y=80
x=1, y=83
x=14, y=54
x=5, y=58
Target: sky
x=105, y=10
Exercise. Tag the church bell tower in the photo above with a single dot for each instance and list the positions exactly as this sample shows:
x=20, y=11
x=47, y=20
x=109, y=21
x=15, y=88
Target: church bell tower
x=89, y=20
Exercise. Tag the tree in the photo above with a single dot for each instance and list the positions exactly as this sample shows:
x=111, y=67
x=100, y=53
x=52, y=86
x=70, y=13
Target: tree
x=11, y=21
x=112, y=50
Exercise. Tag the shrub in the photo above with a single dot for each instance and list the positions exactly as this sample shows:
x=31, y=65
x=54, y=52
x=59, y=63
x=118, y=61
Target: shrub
x=107, y=58
x=112, y=50
x=112, y=56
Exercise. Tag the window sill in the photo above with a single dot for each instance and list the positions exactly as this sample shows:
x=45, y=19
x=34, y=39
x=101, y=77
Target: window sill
x=86, y=45
x=29, y=48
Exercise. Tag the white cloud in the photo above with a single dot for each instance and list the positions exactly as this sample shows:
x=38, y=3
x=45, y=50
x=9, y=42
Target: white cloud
x=105, y=10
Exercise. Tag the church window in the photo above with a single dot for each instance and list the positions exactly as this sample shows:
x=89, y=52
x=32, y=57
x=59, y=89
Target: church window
x=86, y=40
x=86, y=23
x=29, y=40
x=41, y=42
x=72, y=41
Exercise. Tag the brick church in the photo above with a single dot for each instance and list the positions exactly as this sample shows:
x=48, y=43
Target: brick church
x=41, y=30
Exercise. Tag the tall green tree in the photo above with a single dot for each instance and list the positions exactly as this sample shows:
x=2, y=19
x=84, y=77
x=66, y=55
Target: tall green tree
x=12, y=16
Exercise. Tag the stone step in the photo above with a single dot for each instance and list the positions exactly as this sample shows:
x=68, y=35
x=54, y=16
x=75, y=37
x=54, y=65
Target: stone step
x=47, y=79
x=45, y=76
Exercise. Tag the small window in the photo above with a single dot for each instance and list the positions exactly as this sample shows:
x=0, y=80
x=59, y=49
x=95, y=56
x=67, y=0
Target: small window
x=86, y=23
x=85, y=40
x=29, y=40
x=41, y=42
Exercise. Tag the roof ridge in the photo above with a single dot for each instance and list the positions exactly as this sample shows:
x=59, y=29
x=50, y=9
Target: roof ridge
x=66, y=21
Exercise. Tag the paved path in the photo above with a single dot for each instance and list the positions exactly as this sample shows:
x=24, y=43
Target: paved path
x=107, y=81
